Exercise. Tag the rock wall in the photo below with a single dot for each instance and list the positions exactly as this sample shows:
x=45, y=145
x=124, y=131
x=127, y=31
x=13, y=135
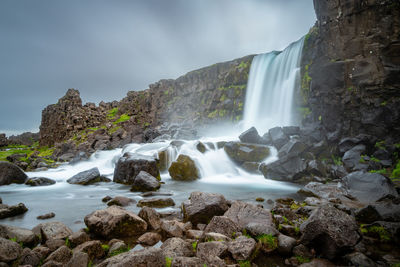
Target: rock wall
x=351, y=69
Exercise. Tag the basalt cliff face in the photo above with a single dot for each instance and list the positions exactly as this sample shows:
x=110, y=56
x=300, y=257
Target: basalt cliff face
x=351, y=69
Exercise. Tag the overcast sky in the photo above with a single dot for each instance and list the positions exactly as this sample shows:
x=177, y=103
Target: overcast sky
x=105, y=48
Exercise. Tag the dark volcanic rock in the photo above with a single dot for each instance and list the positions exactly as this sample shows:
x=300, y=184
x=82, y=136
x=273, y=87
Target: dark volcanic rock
x=144, y=182
x=130, y=165
x=9, y=250
x=121, y=201
x=10, y=173
x=244, y=152
x=156, y=202
x=285, y=169
x=10, y=211
x=251, y=136
x=352, y=159
x=39, y=181
x=88, y=177
x=183, y=169
x=244, y=213
x=278, y=137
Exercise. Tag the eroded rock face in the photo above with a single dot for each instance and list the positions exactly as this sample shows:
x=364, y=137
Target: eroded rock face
x=130, y=165
x=183, y=169
x=330, y=231
x=10, y=173
x=115, y=222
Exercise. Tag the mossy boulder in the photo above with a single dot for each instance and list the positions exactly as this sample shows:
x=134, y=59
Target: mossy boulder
x=244, y=152
x=10, y=173
x=184, y=169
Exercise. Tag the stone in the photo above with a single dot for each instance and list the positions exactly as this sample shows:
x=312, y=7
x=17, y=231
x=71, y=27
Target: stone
x=41, y=251
x=292, y=148
x=92, y=248
x=242, y=248
x=61, y=255
x=117, y=247
x=121, y=201
x=184, y=169
x=324, y=191
x=201, y=147
x=21, y=235
x=285, y=244
x=359, y=259
x=202, y=207
x=244, y=152
x=106, y=199
x=352, y=159
x=131, y=164
x=54, y=230
x=54, y=244
x=115, y=222
x=211, y=249
x=46, y=216
x=260, y=228
x=145, y=257
x=151, y=217
x=278, y=137
x=52, y=264
x=285, y=169
x=88, y=177
x=145, y=182
x=187, y=262
x=368, y=187
x=10, y=173
x=156, y=202
x=177, y=247
x=318, y=263
x=78, y=238
x=222, y=225
x=291, y=130
x=251, y=136
x=39, y=181
x=211, y=236
x=244, y=213
x=149, y=239
x=28, y=257
x=330, y=231
x=173, y=228
x=194, y=234
x=11, y=211
x=9, y=250
x=79, y=259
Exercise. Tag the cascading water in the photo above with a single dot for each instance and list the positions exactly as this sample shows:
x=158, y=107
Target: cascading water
x=270, y=88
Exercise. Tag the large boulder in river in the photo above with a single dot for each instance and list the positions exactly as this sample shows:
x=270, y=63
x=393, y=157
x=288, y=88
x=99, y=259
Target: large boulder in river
x=40, y=181
x=145, y=182
x=202, y=207
x=131, y=164
x=368, y=187
x=330, y=231
x=115, y=222
x=285, y=169
x=251, y=136
x=54, y=230
x=243, y=152
x=10, y=173
x=11, y=211
x=88, y=177
x=183, y=169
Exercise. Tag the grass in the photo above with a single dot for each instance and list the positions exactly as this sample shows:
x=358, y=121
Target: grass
x=377, y=231
x=67, y=243
x=122, y=118
x=396, y=172
x=337, y=160
x=118, y=251
x=105, y=247
x=168, y=262
x=269, y=240
x=302, y=259
x=244, y=263
x=194, y=246
x=112, y=113
x=380, y=144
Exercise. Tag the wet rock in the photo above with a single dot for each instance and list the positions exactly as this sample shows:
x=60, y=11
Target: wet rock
x=156, y=202
x=28, y=257
x=21, y=235
x=317, y=168
x=251, y=167
x=325, y=191
x=144, y=182
x=78, y=238
x=368, y=187
x=79, y=259
x=11, y=211
x=380, y=211
x=145, y=257
x=244, y=213
x=222, y=225
x=39, y=181
x=46, y=216
x=359, y=259
x=173, y=228
x=10, y=173
x=106, y=199
x=244, y=152
x=61, y=255
x=284, y=169
x=88, y=177
x=177, y=247
x=187, y=262
x=382, y=231
x=201, y=147
x=251, y=136
x=352, y=159
x=183, y=169
x=92, y=248
x=285, y=244
x=9, y=250
x=149, y=239
x=131, y=164
x=115, y=222
x=202, y=207
x=292, y=148
x=151, y=217
x=54, y=230
x=291, y=130
x=121, y=201
x=278, y=137
x=330, y=231
x=242, y=247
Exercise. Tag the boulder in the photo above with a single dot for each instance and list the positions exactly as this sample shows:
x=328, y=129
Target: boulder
x=115, y=222
x=42, y=251
x=131, y=164
x=46, y=216
x=187, y=262
x=156, y=202
x=251, y=136
x=78, y=238
x=222, y=225
x=54, y=244
x=61, y=255
x=201, y=147
x=208, y=250
x=242, y=248
x=54, y=230
x=243, y=152
x=210, y=236
x=149, y=239
x=151, y=217
x=202, y=207
x=10, y=173
x=194, y=234
x=145, y=257
x=88, y=177
x=285, y=169
x=79, y=259
x=324, y=191
x=117, y=246
x=292, y=148
x=145, y=182
x=330, y=231
x=39, y=181
x=9, y=250
x=285, y=244
x=359, y=259
x=121, y=201
x=380, y=211
x=352, y=160
x=368, y=187
x=11, y=211
x=28, y=257
x=184, y=169
x=318, y=263
x=173, y=228
x=291, y=130
x=278, y=137
x=244, y=213
x=258, y=228
x=177, y=247
x=21, y=235
x=92, y=248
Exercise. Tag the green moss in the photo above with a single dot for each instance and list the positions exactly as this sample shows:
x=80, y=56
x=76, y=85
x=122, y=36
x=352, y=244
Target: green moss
x=67, y=243
x=244, y=263
x=90, y=264
x=396, y=171
x=337, y=160
x=243, y=65
x=112, y=113
x=119, y=251
x=381, y=144
x=384, y=103
x=105, y=247
x=382, y=171
x=45, y=151
x=194, y=246
x=222, y=98
x=375, y=159
x=222, y=113
x=302, y=259
x=295, y=205
x=377, y=231
x=168, y=262
x=122, y=118
x=305, y=83
x=305, y=111
x=213, y=114
x=270, y=241
x=350, y=89
x=114, y=129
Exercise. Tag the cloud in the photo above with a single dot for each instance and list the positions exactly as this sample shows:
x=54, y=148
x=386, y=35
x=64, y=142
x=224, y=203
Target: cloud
x=105, y=48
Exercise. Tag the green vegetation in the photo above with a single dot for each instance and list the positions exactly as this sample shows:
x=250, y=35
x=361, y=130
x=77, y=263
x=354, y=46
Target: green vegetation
x=90, y=264
x=168, y=262
x=67, y=243
x=244, y=263
x=194, y=246
x=380, y=144
x=213, y=114
x=302, y=259
x=350, y=89
x=295, y=205
x=396, y=172
x=105, y=247
x=305, y=111
x=337, y=160
x=270, y=241
x=112, y=113
x=382, y=171
x=119, y=251
x=384, y=103
x=377, y=231
x=13, y=239
x=122, y=118
x=305, y=83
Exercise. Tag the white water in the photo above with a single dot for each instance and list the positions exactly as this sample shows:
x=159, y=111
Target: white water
x=270, y=88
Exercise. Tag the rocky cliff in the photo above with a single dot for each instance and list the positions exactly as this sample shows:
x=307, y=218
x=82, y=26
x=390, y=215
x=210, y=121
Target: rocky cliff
x=351, y=69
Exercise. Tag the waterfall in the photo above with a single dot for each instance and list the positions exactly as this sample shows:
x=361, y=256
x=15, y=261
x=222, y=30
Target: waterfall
x=270, y=88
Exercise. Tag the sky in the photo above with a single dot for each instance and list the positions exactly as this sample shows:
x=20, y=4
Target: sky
x=105, y=48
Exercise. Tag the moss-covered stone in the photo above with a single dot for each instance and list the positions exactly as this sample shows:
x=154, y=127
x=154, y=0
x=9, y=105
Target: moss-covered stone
x=184, y=169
